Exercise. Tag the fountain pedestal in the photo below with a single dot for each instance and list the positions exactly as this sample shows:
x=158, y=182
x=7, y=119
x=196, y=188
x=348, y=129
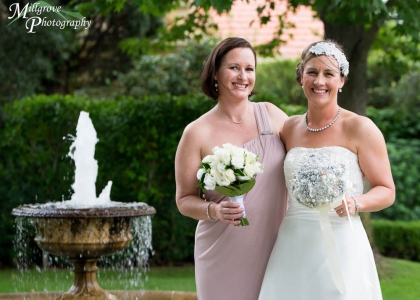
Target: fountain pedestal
x=83, y=235
x=85, y=285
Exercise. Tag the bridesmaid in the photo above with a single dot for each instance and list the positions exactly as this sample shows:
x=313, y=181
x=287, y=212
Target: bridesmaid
x=230, y=260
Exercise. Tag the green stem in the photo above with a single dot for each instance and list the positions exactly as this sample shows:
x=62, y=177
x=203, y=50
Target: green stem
x=244, y=222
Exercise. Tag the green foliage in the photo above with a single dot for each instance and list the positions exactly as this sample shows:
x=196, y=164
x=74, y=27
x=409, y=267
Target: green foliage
x=401, y=131
x=391, y=58
x=407, y=92
x=277, y=79
x=177, y=73
x=396, y=123
x=55, y=60
x=29, y=62
x=404, y=156
x=397, y=238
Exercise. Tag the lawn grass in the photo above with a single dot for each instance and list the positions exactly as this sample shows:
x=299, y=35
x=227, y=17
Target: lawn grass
x=400, y=280
x=158, y=278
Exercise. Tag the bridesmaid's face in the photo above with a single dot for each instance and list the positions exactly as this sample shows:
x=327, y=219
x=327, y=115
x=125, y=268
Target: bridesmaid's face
x=236, y=75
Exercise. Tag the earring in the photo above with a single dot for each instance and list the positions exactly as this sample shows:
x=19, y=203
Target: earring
x=340, y=90
x=216, y=87
x=301, y=86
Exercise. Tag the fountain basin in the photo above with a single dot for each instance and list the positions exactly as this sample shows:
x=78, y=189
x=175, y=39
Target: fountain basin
x=88, y=232
x=83, y=235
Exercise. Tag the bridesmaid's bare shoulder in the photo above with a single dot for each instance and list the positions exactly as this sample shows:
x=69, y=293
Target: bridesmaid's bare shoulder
x=277, y=117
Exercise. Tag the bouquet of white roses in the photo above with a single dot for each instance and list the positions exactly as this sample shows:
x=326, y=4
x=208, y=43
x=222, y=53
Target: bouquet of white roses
x=230, y=171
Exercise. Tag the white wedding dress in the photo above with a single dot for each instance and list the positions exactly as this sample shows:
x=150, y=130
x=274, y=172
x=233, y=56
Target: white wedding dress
x=301, y=265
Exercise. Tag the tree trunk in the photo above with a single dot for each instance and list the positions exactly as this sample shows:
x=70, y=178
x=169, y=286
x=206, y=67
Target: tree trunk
x=356, y=41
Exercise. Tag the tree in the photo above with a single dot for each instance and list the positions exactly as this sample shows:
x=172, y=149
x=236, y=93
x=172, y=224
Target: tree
x=353, y=23
x=60, y=60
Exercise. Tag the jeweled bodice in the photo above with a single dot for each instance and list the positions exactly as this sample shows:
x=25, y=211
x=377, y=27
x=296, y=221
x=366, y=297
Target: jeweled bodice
x=338, y=165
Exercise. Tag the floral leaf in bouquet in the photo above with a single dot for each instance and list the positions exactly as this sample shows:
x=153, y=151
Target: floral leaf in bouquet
x=236, y=190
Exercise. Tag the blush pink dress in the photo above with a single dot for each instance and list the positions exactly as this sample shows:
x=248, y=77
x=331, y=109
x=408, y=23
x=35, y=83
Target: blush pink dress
x=230, y=261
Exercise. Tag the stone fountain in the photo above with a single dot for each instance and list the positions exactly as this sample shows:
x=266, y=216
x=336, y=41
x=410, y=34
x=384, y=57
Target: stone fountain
x=84, y=228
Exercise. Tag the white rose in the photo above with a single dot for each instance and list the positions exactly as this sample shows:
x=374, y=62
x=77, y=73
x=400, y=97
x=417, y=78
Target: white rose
x=223, y=155
x=249, y=170
x=221, y=168
x=200, y=173
x=209, y=182
x=215, y=174
x=259, y=167
x=215, y=148
x=229, y=147
x=250, y=157
x=243, y=178
x=208, y=159
x=220, y=180
x=229, y=175
x=238, y=158
x=238, y=162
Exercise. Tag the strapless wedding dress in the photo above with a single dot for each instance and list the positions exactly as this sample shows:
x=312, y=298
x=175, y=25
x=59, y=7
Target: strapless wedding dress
x=301, y=265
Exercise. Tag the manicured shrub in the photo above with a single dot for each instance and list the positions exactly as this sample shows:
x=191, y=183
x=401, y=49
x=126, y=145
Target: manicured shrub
x=396, y=122
x=404, y=156
x=397, y=238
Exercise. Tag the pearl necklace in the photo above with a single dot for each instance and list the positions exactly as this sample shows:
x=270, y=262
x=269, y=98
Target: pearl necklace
x=236, y=122
x=322, y=128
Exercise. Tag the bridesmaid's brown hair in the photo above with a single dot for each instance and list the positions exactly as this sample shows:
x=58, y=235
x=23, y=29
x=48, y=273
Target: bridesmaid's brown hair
x=214, y=61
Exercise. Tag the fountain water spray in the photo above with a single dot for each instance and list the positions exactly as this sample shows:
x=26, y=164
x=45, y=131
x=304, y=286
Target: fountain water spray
x=82, y=151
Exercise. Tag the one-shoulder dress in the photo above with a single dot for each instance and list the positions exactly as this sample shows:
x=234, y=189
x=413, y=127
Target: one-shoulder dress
x=301, y=266
x=230, y=261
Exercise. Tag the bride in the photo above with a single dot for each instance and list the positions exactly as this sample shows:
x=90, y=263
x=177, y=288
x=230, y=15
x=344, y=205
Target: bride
x=322, y=251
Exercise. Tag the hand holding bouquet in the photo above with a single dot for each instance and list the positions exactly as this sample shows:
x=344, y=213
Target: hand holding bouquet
x=230, y=171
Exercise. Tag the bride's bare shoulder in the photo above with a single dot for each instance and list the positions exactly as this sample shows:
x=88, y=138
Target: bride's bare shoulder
x=362, y=130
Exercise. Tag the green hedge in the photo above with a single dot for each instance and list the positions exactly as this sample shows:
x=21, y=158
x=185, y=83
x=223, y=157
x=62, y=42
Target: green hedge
x=396, y=122
x=137, y=143
x=397, y=238
x=405, y=161
x=136, y=148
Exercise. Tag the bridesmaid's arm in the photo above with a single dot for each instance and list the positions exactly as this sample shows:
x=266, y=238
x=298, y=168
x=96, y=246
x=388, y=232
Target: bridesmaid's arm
x=187, y=161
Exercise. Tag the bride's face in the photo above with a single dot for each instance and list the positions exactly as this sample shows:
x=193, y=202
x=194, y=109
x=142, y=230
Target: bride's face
x=321, y=79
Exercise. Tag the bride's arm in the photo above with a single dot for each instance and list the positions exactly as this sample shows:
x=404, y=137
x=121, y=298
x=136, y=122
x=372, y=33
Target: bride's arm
x=374, y=163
